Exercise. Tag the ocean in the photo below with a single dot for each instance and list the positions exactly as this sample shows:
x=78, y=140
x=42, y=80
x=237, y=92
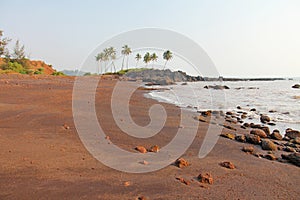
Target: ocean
x=277, y=99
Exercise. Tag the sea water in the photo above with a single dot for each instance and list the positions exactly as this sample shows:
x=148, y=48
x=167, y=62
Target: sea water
x=277, y=99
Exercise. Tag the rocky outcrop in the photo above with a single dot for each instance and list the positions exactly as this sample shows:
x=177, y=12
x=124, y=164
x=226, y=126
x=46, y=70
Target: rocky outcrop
x=159, y=77
x=166, y=77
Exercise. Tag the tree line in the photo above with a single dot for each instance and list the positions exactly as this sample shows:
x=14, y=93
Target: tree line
x=108, y=55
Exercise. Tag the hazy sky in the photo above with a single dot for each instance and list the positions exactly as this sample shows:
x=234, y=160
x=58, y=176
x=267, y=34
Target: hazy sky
x=243, y=37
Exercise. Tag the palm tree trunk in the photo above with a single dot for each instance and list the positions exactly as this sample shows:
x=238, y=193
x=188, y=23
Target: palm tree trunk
x=123, y=62
x=127, y=63
x=100, y=68
x=105, y=67
x=165, y=64
x=114, y=66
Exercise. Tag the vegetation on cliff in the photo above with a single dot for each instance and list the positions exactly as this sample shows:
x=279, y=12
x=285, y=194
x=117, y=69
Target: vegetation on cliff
x=16, y=61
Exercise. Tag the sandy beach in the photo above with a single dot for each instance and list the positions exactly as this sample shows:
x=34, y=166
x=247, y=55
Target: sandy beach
x=42, y=156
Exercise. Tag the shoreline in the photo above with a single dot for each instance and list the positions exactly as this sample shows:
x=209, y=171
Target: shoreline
x=41, y=156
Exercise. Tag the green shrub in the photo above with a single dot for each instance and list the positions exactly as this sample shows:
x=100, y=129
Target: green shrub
x=87, y=74
x=58, y=74
x=39, y=71
x=15, y=67
x=6, y=71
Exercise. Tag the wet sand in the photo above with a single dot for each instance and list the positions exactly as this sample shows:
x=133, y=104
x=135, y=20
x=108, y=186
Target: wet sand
x=42, y=159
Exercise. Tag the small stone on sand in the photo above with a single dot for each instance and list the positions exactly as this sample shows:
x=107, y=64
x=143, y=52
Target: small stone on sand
x=154, y=149
x=227, y=164
x=181, y=163
x=206, y=178
x=141, y=149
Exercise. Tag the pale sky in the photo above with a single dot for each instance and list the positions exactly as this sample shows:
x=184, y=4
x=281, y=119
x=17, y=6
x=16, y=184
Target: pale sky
x=247, y=38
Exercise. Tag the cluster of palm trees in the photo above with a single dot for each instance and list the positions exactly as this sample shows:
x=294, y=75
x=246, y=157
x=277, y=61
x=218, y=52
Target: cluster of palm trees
x=109, y=54
x=105, y=56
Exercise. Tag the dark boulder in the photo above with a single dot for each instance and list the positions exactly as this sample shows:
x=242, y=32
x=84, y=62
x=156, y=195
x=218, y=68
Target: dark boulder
x=181, y=163
x=276, y=135
x=268, y=145
x=292, y=134
x=228, y=135
x=244, y=116
x=289, y=149
x=270, y=157
x=265, y=129
x=246, y=124
x=206, y=178
x=265, y=118
x=240, y=138
x=248, y=149
x=252, y=125
x=296, y=140
x=293, y=158
x=259, y=132
x=254, y=139
x=296, y=86
x=227, y=164
x=205, y=113
x=217, y=87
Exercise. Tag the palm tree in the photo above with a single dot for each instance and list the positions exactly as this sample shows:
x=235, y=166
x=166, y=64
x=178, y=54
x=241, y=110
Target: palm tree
x=167, y=56
x=112, y=57
x=138, y=58
x=125, y=52
x=147, y=58
x=99, y=59
x=105, y=57
x=153, y=58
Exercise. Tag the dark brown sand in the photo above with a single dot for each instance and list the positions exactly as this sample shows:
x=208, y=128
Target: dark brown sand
x=40, y=159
